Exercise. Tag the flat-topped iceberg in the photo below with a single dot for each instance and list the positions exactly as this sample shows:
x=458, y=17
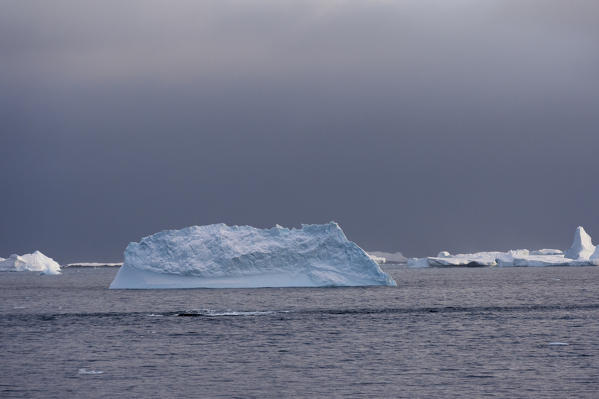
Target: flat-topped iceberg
x=221, y=256
x=581, y=253
x=35, y=262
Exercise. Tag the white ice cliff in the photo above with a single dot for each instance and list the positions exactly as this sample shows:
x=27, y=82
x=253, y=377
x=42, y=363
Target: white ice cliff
x=35, y=262
x=581, y=253
x=594, y=259
x=221, y=256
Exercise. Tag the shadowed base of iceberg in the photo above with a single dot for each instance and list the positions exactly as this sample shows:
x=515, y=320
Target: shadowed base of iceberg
x=129, y=277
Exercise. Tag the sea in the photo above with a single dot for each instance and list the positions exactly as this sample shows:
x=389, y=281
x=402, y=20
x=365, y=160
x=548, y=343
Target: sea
x=441, y=333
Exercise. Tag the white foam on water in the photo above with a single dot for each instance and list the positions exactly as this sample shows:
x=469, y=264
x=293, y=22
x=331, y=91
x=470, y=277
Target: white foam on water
x=89, y=371
x=217, y=313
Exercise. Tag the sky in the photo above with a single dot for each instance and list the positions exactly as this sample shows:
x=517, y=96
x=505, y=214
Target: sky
x=417, y=125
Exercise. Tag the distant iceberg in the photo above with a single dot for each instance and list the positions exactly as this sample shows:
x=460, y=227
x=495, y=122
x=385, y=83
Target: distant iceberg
x=95, y=264
x=387, y=257
x=581, y=253
x=35, y=262
x=221, y=256
x=378, y=259
x=582, y=247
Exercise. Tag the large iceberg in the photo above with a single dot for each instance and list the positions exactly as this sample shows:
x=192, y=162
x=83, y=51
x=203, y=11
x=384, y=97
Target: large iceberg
x=221, y=256
x=581, y=253
x=35, y=262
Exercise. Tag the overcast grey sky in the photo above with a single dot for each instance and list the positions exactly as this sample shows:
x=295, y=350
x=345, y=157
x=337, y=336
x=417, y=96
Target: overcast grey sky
x=417, y=125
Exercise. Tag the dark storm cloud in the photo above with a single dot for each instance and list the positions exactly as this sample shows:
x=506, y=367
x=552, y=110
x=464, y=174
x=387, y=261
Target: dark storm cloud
x=418, y=126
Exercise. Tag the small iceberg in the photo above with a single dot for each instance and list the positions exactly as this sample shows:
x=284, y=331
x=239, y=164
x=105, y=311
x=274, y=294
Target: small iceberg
x=35, y=262
x=381, y=257
x=582, y=252
x=582, y=247
x=378, y=259
x=221, y=256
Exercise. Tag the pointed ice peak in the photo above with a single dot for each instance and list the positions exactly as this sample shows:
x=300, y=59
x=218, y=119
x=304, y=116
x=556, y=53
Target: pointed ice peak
x=582, y=246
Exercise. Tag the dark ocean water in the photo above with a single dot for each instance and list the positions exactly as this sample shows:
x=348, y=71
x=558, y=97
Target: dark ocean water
x=442, y=333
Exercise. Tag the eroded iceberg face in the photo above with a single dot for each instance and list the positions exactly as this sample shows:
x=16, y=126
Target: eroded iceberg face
x=34, y=262
x=221, y=256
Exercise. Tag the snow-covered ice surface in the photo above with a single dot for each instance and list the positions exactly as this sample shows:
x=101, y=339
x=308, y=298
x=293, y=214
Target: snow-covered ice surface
x=547, y=252
x=390, y=257
x=35, y=262
x=221, y=256
x=581, y=253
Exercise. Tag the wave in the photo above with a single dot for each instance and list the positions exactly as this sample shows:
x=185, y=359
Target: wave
x=334, y=312
x=217, y=313
x=89, y=372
